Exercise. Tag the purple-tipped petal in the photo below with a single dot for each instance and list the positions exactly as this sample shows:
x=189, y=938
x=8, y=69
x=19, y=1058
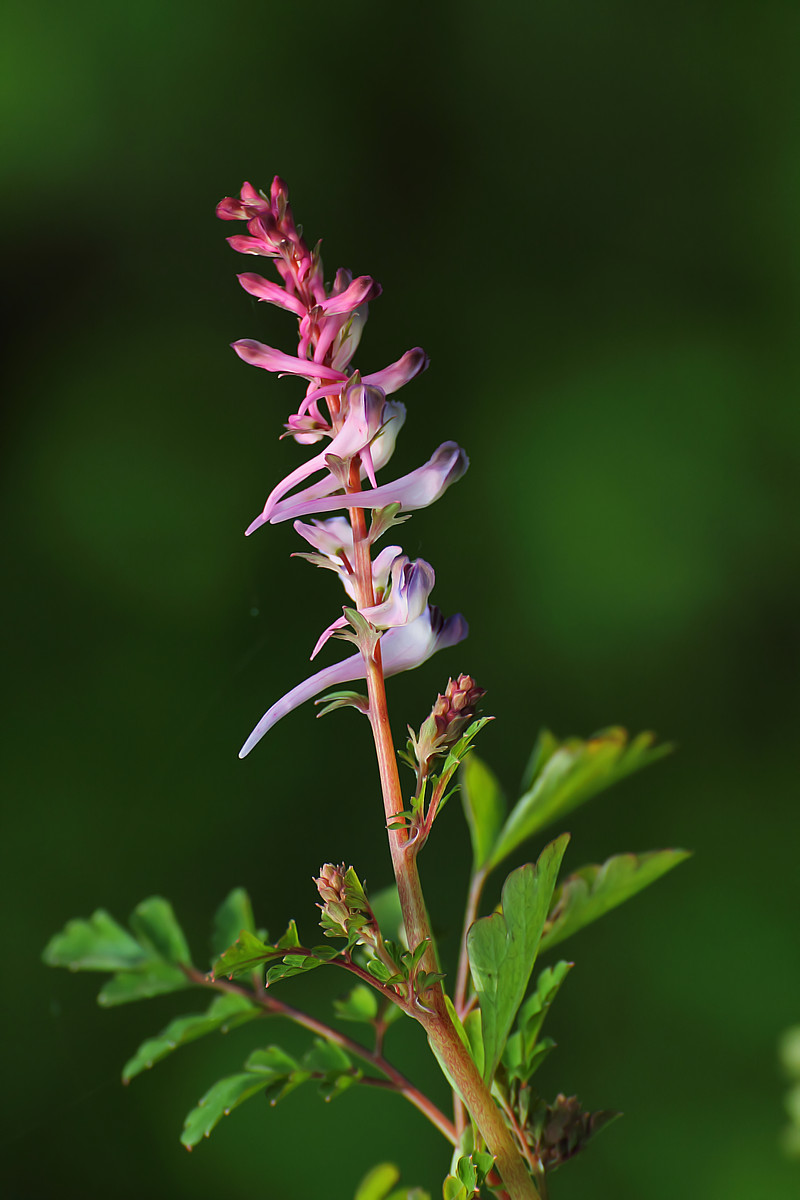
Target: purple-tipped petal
x=358, y=292
x=342, y=672
x=397, y=374
x=412, y=584
x=408, y=646
x=362, y=422
x=402, y=649
x=416, y=490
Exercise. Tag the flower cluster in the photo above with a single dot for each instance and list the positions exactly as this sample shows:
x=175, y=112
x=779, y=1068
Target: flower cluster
x=355, y=423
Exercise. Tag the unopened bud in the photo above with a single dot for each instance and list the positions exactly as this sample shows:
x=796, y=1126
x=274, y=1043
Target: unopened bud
x=345, y=908
x=456, y=706
x=450, y=716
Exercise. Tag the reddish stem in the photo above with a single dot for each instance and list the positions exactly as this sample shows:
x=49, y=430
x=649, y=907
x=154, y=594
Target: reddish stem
x=394, y=1078
x=434, y=1017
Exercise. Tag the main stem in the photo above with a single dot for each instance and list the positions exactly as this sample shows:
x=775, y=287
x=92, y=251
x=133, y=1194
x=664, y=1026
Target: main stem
x=434, y=1018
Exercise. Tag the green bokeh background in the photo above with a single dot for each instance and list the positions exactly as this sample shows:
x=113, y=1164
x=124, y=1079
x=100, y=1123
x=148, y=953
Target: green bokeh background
x=587, y=214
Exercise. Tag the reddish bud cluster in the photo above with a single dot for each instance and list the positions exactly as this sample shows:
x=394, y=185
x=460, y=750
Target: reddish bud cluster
x=450, y=716
x=457, y=705
x=331, y=888
x=345, y=908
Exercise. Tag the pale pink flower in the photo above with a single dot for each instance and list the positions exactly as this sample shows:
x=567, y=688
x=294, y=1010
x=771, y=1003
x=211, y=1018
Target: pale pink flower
x=402, y=649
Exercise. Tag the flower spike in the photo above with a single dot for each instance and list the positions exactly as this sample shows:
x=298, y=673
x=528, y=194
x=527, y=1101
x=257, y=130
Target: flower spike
x=354, y=425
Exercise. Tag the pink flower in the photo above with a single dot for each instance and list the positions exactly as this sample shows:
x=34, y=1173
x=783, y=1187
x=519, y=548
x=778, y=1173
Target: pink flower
x=363, y=419
x=358, y=426
x=402, y=649
x=411, y=585
x=416, y=490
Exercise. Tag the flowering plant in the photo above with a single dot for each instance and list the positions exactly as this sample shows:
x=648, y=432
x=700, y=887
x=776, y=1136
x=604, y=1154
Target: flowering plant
x=485, y=1029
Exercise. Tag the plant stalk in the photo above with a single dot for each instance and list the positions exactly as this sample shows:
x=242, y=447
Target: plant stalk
x=394, y=1078
x=462, y=978
x=434, y=1017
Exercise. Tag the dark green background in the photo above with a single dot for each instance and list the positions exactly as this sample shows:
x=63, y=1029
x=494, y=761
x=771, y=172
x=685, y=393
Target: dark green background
x=588, y=215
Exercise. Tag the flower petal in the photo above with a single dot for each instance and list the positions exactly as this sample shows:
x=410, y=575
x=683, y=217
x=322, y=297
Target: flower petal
x=416, y=490
x=358, y=292
x=273, y=293
x=259, y=355
x=402, y=649
x=397, y=374
x=251, y=245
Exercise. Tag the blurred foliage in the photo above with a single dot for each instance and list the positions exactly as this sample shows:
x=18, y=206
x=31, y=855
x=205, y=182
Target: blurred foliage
x=587, y=215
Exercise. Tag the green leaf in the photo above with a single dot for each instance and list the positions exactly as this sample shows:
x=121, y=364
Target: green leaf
x=290, y=940
x=471, y=1170
x=233, y=915
x=334, y=700
x=262, y=1069
x=502, y=947
x=524, y=1053
x=293, y=964
x=377, y=1184
x=384, y=519
x=568, y=776
x=218, y=1102
x=378, y=970
x=157, y=929
x=462, y=746
x=154, y=979
x=327, y=1058
x=271, y=1060
x=246, y=953
x=789, y=1051
x=484, y=808
x=224, y=1013
x=594, y=890
x=453, y=1189
x=361, y=1004
x=473, y=1027
x=457, y=1023
x=325, y=1062
x=99, y=944
x=467, y=1172
x=544, y=748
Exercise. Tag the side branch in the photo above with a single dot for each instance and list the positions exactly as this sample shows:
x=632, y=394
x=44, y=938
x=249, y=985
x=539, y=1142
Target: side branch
x=395, y=1080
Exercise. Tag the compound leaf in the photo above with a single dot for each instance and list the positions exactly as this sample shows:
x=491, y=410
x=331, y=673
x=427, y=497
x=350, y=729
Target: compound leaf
x=360, y=1004
x=524, y=1052
x=154, y=979
x=378, y=1182
x=567, y=775
x=484, y=807
x=224, y=1013
x=99, y=944
x=262, y=1069
x=246, y=953
x=594, y=890
x=156, y=927
x=502, y=947
x=233, y=915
